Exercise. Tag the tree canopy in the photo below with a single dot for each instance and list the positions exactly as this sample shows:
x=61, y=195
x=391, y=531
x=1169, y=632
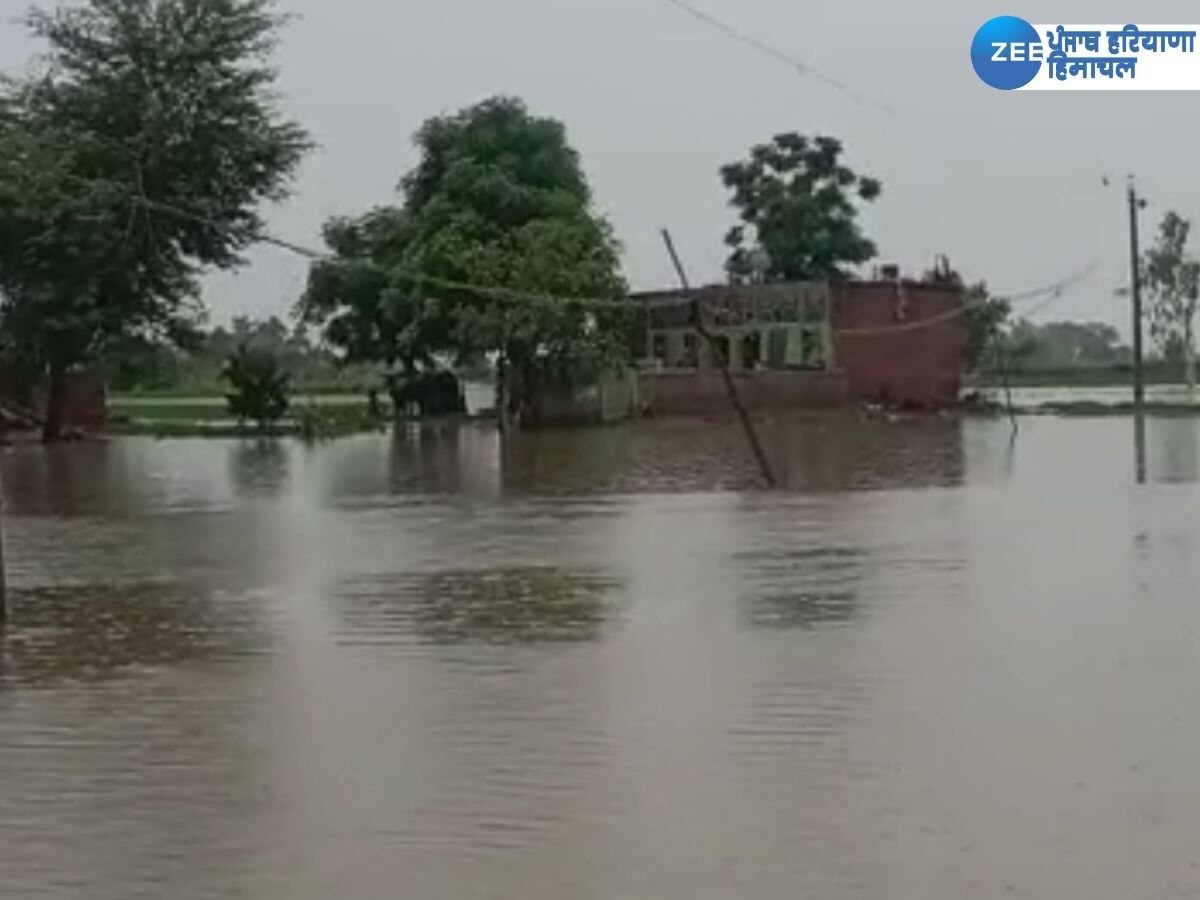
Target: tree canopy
x=984, y=316
x=498, y=199
x=1065, y=344
x=137, y=156
x=798, y=206
x=1172, y=278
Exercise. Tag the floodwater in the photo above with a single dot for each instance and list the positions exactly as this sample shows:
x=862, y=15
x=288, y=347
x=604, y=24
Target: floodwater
x=602, y=664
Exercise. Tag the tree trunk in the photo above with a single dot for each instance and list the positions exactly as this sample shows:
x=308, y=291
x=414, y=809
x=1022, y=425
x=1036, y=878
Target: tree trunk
x=528, y=412
x=503, y=391
x=56, y=400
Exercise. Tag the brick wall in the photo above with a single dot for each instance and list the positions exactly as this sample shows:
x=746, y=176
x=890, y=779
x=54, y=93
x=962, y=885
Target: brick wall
x=690, y=392
x=86, y=405
x=920, y=366
x=879, y=349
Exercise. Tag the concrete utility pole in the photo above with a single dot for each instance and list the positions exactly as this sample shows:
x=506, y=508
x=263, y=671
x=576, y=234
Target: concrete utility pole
x=1135, y=292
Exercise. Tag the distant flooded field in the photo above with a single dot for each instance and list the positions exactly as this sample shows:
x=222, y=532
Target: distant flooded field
x=940, y=663
x=1033, y=397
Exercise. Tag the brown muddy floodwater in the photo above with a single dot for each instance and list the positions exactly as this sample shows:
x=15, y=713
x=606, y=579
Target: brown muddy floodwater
x=599, y=664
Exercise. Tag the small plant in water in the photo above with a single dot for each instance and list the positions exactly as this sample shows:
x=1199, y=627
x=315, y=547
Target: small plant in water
x=259, y=387
x=321, y=423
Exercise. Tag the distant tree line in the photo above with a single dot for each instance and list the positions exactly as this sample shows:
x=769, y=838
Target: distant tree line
x=1065, y=344
x=1170, y=276
x=137, y=154
x=138, y=365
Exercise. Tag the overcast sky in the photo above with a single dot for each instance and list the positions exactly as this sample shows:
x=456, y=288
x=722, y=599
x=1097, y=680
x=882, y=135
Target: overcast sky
x=1007, y=184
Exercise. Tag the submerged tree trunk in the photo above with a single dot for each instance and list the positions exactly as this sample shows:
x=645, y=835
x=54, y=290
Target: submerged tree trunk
x=56, y=400
x=517, y=381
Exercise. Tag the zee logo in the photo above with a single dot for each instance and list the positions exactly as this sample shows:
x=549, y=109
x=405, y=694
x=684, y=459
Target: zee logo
x=1007, y=53
x=1004, y=52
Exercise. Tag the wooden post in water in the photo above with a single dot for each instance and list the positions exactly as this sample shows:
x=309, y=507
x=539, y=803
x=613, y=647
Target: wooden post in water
x=1002, y=364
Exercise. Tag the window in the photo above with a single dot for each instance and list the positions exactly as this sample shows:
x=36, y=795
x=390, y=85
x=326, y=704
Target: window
x=721, y=350
x=658, y=348
x=690, y=356
x=751, y=350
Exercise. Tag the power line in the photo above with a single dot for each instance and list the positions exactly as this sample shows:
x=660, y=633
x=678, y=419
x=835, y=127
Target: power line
x=491, y=291
x=1056, y=290
x=778, y=55
x=498, y=292
x=1038, y=307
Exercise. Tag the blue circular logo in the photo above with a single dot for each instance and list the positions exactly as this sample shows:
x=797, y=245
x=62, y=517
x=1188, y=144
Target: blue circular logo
x=1007, y=52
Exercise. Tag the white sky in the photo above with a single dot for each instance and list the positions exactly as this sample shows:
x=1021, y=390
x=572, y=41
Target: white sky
x=1007, y=184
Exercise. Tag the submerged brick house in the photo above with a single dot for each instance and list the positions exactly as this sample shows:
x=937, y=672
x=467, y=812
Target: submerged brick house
x=895, y=342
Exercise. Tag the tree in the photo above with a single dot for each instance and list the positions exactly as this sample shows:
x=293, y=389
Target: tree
x=1173, y=287
x=136, y=158
x=364, y=300
x=259, y=387
x=498, y=199
x=798, y=211
x=985, y=318
x=1078, y=343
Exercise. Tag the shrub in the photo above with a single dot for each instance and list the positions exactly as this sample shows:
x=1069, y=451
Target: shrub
x=259, y=388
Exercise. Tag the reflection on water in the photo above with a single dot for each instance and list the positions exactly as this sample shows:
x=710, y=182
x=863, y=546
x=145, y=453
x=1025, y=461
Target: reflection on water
x=95, y=629
x=522, y=605
x=62, y=480
x=939, y=664
x=1176, y=443
x=821, y=453
x=803, y=587
x=259, y=466
x=1139, y=447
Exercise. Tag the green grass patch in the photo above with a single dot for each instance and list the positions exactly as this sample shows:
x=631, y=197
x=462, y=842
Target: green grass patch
x=210, y=408
x=313, y=417
x=1082, y=376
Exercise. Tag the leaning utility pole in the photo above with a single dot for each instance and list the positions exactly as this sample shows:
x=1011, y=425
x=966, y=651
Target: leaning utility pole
x=698, y=322
x=1135, y=292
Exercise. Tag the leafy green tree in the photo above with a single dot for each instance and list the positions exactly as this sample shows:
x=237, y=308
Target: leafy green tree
x=798, y=206
x=984, y=316
x=260, y=389
x=365, y=302
x=1066, y=344
x=1173, y=288
x=985, y=319
x=137, y=157
x=498, y=199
